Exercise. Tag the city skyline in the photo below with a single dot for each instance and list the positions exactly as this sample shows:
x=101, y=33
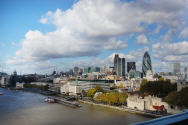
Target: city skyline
x=38, y=36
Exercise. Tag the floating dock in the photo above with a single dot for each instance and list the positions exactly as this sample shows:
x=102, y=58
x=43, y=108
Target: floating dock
x=67, y=103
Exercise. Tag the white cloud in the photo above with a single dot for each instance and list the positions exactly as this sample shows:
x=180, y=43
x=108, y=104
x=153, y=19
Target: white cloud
x=184, y=33
x=43, y=20
x=142, y=39
x=157, y=30
x=113, y=45
x=168, y=36
x=171, y=52
x=90, y=25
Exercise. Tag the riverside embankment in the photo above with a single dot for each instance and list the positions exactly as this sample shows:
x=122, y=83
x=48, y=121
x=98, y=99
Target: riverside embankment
x=122, y=108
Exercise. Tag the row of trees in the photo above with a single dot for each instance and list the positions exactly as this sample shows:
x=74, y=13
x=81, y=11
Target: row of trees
x=179, y=99
x=112, y=98
x=160, y=88
x=91, y=92
x=41, y=87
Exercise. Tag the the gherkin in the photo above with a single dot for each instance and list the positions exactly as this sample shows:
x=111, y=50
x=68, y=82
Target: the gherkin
x=146, y=64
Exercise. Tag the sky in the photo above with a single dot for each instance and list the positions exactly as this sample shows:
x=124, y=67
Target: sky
x=38, y=35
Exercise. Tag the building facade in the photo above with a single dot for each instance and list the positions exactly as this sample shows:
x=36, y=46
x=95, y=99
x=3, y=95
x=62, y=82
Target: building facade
x=146, y=64
x=131, y=65
x=119, y=65
x=186, y=73
x=76, y=71
x=176, y=68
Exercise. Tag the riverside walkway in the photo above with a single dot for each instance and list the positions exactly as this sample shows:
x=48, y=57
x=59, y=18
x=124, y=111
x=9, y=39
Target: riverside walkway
x=122, y=108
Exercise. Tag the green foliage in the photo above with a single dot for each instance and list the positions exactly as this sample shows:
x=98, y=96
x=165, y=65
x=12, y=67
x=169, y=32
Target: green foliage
x=112, y=98
x=41, y=87
x=99, y=89
x=178, y=98
x=172, y=98
x=158, y=88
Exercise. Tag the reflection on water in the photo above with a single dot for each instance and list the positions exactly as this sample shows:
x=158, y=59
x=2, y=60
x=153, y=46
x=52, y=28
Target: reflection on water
x=26, y=108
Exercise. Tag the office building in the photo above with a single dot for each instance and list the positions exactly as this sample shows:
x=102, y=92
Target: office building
x=76, y=71
x=131, y=65
x=146, y=64
x=186, y=73
x=119, y=65
x=176, y=68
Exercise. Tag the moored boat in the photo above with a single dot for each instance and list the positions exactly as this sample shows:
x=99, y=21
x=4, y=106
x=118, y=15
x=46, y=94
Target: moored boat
x=1, y=93
x=49, y=100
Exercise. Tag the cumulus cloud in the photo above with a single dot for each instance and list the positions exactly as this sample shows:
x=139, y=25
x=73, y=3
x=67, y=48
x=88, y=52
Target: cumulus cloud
x=90, y=25
x=171, y=52
x=113, y=45
x=142, y=39
x=184, y=33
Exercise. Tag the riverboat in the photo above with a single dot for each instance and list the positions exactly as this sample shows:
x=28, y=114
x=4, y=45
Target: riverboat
x=49, y=100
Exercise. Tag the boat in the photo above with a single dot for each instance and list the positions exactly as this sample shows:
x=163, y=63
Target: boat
x=49, y=100
x=1, y=93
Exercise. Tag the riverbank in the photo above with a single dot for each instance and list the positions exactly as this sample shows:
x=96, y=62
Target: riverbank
x=122, y=108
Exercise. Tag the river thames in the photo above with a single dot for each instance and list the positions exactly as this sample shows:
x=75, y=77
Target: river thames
x=27, y=108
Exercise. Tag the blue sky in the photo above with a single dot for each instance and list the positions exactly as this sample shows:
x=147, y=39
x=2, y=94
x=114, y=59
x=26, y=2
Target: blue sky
x=37, y=35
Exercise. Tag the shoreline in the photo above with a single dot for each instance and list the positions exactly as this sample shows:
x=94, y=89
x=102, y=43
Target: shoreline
x=123, y=109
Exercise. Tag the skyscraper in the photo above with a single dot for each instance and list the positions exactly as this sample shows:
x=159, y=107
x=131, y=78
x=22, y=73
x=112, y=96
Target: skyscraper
x=186, y=73
x=76, y=71
x=146, y=64
x=119, y=65
x=176, y=68
x=131, y=65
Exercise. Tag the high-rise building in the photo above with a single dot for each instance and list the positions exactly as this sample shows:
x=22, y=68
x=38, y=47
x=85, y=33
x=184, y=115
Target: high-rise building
x=131, y=65
x=76, y=71
x=119, y=65
x=146, y=64
x=176, y=68
x=186, y=73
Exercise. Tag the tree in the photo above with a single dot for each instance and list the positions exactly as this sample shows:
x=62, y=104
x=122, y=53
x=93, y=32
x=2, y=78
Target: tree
x=172, y=98
x=178, y=98
x=120, y=86
x=112, y=98
x=91, y=93
x=122, y=97
x=158, y=88
x=99, y=89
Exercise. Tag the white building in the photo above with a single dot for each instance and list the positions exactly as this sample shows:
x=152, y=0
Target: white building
x=72, y=89
x=146, y=103
x=19, y=85
x=149, y=76
x=134, y=83
x=4, y=80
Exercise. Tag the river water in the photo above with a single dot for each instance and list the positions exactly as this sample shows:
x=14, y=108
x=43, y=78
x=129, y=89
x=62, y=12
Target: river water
x=27, y=108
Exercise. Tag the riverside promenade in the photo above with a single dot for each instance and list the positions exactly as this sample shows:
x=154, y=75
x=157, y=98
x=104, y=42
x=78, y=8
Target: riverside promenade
x=122, y=108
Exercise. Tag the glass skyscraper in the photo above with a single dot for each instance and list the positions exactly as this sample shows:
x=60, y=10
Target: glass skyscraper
x=119, y=65
x=146, y=64
x=131, y=65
